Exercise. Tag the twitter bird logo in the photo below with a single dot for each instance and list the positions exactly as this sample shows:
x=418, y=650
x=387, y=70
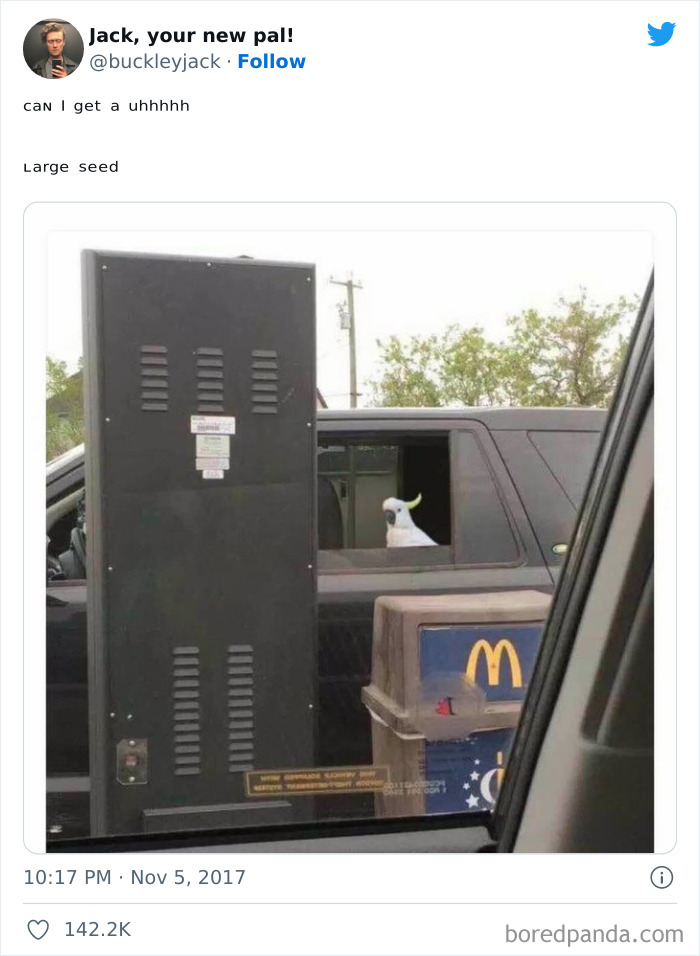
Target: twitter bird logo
x=662, y=34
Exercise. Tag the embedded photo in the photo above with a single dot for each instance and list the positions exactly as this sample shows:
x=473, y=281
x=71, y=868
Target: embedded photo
x=349, y=541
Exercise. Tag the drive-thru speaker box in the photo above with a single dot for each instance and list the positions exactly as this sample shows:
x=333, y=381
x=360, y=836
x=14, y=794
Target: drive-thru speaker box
x=200, y=406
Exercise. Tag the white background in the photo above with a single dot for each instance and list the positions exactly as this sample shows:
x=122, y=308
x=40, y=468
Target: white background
x=404, y=102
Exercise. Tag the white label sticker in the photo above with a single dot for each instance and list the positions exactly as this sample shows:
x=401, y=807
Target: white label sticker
x=212, y=474
x=213, y=464
x=212, y=425
x=213, y=446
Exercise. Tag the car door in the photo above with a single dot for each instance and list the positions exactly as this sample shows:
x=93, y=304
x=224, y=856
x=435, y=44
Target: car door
x=581, y=774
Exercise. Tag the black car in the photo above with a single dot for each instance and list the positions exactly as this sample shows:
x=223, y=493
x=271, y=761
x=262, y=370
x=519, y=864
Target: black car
x=500, y=490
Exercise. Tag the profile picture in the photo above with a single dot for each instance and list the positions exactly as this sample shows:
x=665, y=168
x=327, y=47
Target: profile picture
x=53, y=49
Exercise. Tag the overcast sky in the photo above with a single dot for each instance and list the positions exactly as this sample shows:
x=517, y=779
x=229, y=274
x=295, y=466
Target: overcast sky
x=413, y=282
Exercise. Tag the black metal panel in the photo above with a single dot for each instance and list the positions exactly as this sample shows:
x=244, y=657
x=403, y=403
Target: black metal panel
x=202, y=589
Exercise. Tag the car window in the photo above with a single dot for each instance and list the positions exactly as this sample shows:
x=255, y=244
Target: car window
x=353, y=481
x=564, y=454
x=550, y=473
x=356, y=477
x=461, y=509
x=486, y=530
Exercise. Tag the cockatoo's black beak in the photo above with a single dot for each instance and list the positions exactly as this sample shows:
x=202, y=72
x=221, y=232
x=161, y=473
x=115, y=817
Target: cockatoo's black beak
x=390, y=517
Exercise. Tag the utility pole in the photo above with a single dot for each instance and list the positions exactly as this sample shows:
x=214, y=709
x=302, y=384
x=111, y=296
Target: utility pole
x=347, y=321
x=350, y=286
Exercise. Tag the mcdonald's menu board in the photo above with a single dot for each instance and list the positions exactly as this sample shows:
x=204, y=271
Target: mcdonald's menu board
x=464, y=775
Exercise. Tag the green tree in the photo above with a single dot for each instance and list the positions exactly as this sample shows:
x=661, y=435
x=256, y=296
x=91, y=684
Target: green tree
x=571, y=357
x=64, y=408
x=457, y=367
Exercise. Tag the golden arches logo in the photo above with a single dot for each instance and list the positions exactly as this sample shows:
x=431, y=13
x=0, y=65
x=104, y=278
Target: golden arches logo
x=493, y=657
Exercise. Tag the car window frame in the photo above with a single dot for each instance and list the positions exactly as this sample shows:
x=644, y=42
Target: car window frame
x=358, y=561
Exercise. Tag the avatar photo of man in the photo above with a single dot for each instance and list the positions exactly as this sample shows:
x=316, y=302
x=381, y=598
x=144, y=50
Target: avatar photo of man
x=53, y=49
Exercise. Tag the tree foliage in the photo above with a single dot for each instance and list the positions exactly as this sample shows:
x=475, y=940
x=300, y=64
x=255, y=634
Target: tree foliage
x=64, y=408
x=571, y=357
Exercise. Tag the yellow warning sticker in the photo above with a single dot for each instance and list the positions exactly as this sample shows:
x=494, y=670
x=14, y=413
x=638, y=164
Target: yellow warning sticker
x=317, y=780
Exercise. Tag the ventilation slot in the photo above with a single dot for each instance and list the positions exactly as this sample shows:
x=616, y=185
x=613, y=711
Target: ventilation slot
x=186, y=713
x=239, y=677
x=154, y=378
x=265, y=381
x=210, y=380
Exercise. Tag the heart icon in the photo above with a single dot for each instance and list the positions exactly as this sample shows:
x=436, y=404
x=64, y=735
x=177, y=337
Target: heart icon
x=38, y=928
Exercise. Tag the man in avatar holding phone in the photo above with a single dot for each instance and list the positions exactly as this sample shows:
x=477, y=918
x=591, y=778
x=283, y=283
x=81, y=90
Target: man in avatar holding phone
x=55, y=65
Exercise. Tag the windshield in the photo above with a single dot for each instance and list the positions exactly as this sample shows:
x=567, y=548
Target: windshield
x=309, y=594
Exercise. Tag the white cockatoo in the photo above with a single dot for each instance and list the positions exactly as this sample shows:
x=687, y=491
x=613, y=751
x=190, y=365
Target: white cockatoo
x=401, y=532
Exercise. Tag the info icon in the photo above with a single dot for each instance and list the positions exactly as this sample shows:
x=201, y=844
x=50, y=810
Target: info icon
x=661, y=877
